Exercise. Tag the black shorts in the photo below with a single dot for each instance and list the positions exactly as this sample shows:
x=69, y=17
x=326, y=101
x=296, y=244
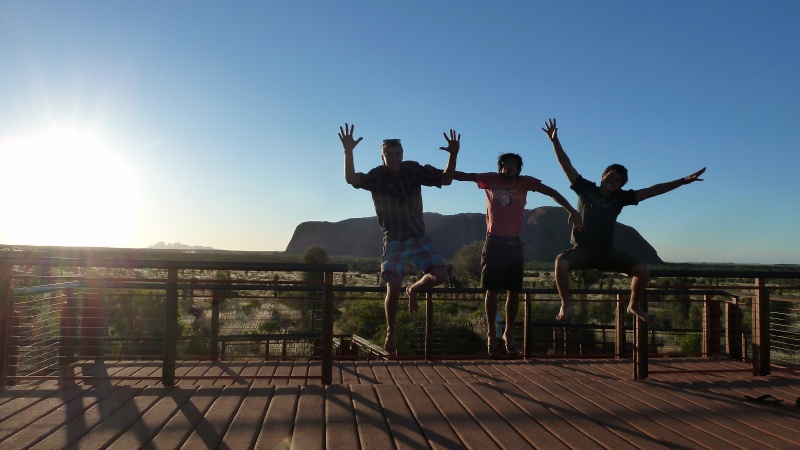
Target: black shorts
x=608, y=260
x=502, y=264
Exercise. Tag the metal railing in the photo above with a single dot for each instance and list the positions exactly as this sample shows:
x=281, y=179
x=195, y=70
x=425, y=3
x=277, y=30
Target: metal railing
x=45, y=325
x=54, y=311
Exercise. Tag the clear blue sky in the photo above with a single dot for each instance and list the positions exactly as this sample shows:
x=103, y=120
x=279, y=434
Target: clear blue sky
x=215, y=123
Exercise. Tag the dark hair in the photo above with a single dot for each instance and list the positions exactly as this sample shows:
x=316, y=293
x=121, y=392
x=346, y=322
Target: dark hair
x=506, y=156
x=391, y=143
x=620, y=170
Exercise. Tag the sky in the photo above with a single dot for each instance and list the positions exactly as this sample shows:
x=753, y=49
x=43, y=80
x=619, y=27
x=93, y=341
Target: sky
x=123, y=124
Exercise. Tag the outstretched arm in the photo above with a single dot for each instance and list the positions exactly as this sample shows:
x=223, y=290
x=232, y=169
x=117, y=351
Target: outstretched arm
x=574, y=218
x=462, y=176
x=346, y=136
x=453, y=145
x=663, y=188
x=566, y=165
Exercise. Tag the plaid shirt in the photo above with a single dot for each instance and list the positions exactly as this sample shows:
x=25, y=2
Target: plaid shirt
x=398, y=200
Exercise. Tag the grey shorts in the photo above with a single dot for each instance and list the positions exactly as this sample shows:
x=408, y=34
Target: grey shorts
x=605, y=259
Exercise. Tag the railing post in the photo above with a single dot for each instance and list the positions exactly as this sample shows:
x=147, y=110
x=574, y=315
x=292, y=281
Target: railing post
x=170, y=328
x=69, y=326
x=327, y=330
x=428, y=326
x=619, y=328
x=214, y=341
x=6, y=309
x=711, y=324
x=760, y=319
x=733, y=329
x=526, y=328
x=641, y=349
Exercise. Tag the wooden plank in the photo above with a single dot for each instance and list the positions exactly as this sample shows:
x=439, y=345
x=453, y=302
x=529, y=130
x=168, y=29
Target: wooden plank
x=525, y=396
x=415, y=375
x=299, y=369
x=525, y=425
x=184, y=421
x=397, y=373
x=373, y=431
x=283, y=369
x=405, y=430
x=68, y=432
x=113, y=425
x=349, y=372
x=469, y=431
x=276, y=430
x=340, y=418
x=248, y=418
x=629, y=426
x=365, y=373
x=209, y=432
x=434, y=425
x=267, y=369
x=309, y=424
x=487, y=418
x=154, y=419
x=23, y=412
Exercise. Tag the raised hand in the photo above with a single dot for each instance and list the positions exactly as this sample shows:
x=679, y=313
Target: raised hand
x=346, y=136
x=453, y=142
x=694, y=177
x=550, y=129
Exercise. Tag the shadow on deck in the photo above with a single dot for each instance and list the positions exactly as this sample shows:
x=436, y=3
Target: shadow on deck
x=685, y=403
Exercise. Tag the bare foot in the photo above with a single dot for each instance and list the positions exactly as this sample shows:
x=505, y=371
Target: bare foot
x=638, y=312
x=413, y=305
x=562, y=313
x=390, y=345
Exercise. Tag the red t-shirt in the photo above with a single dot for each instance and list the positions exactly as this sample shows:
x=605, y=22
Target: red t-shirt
x=505, y=201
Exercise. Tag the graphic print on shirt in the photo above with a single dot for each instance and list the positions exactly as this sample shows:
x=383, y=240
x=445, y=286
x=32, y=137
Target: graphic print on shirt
x=504, y=196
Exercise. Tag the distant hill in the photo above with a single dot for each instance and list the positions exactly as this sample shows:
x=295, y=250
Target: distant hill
x=178, y=246
x=545, y=232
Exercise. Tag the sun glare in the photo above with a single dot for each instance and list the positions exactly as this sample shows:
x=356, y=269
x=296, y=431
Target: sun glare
x=65, y=188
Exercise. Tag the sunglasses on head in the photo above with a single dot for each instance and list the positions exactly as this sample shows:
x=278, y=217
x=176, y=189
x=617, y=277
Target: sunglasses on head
x=391, y=141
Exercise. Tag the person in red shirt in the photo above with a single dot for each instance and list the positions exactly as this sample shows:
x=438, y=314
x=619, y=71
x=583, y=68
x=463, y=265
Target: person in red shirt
x=502, y=258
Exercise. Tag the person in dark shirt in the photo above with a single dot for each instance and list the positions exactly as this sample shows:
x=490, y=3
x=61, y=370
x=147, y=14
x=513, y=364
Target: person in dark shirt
x=396, y=188
x=599, y=206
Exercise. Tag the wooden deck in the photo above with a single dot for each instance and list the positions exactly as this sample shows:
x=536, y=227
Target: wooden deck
x=374, y=405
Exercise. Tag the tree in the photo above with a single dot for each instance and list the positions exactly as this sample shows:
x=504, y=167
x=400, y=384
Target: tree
x=467, y=262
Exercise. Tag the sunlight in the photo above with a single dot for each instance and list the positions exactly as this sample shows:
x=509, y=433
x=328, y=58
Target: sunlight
x=65, y=188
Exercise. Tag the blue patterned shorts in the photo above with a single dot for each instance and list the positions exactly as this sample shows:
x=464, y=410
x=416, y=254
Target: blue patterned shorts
x=421, y=250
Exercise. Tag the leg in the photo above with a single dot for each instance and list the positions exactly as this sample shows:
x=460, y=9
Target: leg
x=436, y=276
x=393, y=287
x=562, y=284
x=490, y=308
x=512, y=307
x=641, y=276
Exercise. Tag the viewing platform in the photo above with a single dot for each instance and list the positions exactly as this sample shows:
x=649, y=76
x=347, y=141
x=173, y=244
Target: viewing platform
x=579, y=404
x=136, y=353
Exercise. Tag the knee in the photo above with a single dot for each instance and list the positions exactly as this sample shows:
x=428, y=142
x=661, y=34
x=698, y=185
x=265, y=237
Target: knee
x=439, y=274
x=641, y=271
x=562, y=265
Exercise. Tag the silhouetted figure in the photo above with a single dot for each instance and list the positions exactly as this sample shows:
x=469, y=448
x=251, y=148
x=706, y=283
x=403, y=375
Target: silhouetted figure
x=599, y=207
x=502, y=257
x=397, y=195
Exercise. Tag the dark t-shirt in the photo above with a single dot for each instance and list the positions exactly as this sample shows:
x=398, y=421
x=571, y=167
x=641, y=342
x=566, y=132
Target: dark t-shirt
x=599, y=214
x=398, y=200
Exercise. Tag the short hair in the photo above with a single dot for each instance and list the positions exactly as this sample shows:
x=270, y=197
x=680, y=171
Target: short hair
x=390, y=143
x=619, y=169
x=506, y=156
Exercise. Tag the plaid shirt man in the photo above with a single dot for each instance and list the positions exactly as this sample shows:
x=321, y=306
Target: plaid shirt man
x=398, y=200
